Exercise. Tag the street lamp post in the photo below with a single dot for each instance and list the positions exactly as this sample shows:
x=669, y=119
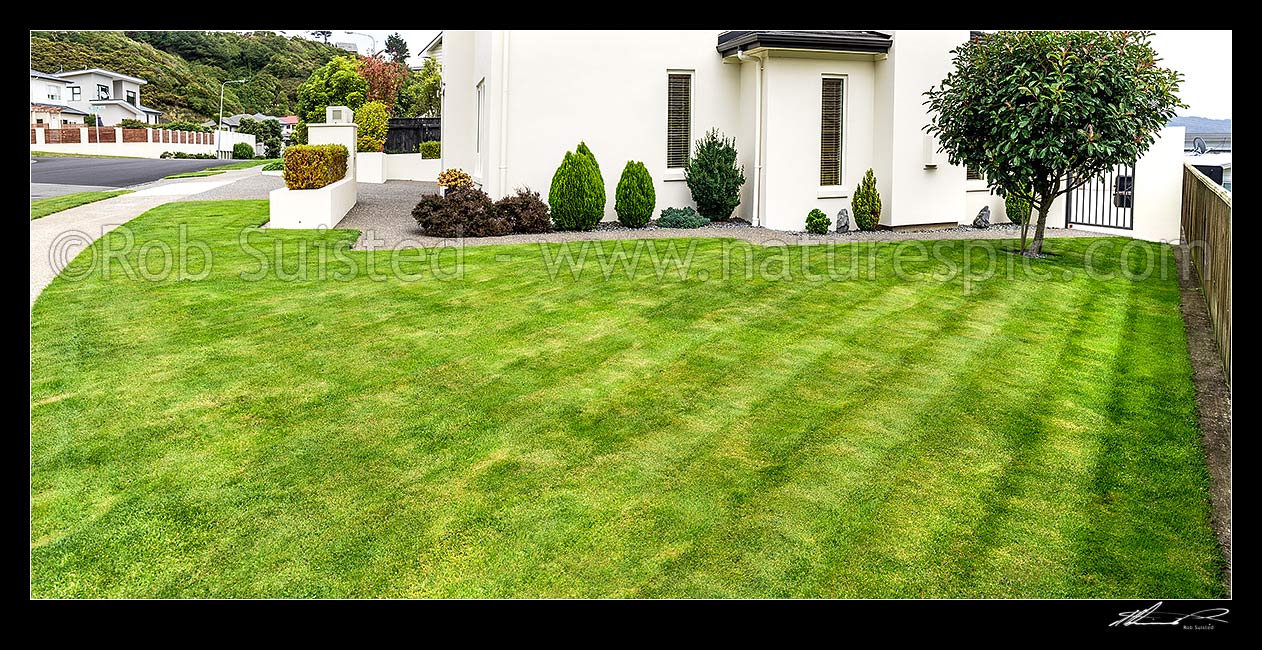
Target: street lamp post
x=374, y=40
x=220, y=129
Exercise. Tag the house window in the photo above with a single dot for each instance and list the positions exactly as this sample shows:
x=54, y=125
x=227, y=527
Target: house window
x=678, y=119
x=830, y=130
x=54, y=92
x=131, y=97
x=972, y=174
x=39, y=120
x=102, y=91
x=75, y=93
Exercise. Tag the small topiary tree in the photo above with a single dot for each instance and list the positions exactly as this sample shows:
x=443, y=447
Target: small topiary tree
x=582, y=148
x=600, y=178
x=1016, y=204
x=577, y=195
x=866, y=203
x=817, y=222
x=714, y=177
x=635, y=197
x=431, y=150
x=242, y=151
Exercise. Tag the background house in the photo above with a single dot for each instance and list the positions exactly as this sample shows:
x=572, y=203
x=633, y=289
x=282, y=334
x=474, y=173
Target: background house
x=287, y=124
x=48, y=102
x=115, y=96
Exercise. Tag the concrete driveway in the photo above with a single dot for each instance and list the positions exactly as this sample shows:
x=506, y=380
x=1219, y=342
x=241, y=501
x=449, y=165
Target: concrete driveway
x=54, y=176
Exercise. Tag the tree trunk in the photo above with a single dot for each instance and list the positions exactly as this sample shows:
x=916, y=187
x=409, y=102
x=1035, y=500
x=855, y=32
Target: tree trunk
x=1025, y=231
x=1036, y=246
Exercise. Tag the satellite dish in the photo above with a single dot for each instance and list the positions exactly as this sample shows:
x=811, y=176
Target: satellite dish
x=1199, y=146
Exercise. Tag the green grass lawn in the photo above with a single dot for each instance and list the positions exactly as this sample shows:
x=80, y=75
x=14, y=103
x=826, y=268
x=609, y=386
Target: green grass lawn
x=45, y=207
x=502, y=433
x=246, y=164
x=206, y=172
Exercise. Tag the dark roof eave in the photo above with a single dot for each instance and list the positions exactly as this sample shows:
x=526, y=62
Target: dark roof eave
x=870, y=43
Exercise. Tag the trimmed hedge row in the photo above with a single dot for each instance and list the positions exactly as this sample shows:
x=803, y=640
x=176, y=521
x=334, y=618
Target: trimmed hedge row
x=431, y=150
x=312, y=166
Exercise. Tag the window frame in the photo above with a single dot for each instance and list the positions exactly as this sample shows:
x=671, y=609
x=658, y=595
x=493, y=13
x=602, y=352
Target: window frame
x=107, y=89
x=843, y=121
x=131, y=97
x=76, y=93
x=53, y=92
x=692, y=98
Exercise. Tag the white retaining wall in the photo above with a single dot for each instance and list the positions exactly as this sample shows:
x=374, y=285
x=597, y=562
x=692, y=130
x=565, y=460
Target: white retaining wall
x=152, y=149
x=382, y=167
x=321, y=208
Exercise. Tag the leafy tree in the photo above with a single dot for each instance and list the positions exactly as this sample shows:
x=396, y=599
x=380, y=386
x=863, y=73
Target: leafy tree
x=421, y=95
x=1051, y=110
x=385, y=79
x=714, y=177
x=397, y=48
x=322, y=34
x=337, y=83
x=266, y=132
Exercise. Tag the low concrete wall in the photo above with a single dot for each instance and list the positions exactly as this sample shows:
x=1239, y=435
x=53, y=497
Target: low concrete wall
x=370, y=167
x=411, y=167
x=154, y=148
x=322, y=208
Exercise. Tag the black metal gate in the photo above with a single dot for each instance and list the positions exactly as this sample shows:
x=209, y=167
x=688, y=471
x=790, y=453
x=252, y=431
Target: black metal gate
x=1107, y=200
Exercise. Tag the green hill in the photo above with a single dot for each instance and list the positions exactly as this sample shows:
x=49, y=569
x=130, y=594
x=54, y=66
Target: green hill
x=184, y=69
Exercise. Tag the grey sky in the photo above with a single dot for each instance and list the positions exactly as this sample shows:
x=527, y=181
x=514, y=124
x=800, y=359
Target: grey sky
x=1204, y=58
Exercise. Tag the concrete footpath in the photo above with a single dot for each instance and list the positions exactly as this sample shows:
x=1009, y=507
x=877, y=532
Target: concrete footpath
x=59, y=237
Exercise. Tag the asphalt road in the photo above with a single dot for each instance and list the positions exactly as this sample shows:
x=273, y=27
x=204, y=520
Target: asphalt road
x=109, y=172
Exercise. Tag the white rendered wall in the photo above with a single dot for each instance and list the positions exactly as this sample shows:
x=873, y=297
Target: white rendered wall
x=607, y=88
x=370, y=167
x=153, y=149
x=792, y=137
x=916, y=194
x=319, y=208
x=412, y=167
x=1158, y=191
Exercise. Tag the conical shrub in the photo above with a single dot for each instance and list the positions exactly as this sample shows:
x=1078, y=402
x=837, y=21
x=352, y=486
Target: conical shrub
x=635, y=197
x=577, y=195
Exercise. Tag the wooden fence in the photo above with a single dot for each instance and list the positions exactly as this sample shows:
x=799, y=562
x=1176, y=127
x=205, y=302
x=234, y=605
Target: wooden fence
x=1206, y=232
x=407, y=133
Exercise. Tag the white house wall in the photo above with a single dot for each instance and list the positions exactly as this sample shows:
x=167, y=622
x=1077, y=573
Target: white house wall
x=920, y=195
x=792, y=137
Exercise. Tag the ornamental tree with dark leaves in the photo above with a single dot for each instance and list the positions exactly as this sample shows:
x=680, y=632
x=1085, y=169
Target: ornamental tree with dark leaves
x=1041, y=113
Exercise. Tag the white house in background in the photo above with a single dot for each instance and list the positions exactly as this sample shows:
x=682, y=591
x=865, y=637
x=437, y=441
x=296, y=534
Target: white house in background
x=115, y=96
x=811, y=111
x=48, y=102
x=287, y=124
x=434, y=50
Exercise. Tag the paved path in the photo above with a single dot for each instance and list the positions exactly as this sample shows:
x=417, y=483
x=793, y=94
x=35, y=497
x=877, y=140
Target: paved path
x=112, y=172
x=59, y=237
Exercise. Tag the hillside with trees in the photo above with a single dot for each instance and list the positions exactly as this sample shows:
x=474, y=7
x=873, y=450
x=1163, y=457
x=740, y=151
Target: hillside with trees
x=184, y=68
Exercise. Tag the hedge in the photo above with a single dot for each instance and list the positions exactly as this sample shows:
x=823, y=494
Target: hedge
x=431, y=150
x=312, y=166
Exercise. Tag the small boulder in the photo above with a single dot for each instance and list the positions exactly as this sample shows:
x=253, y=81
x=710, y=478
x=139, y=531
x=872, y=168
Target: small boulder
x=843, y=220
x=983, y=218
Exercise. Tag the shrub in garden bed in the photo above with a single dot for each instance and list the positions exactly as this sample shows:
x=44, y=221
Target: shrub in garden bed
x=867, y=203
x=817, y=222
x=180, y=155
x=374, y=121
x=431, y=150
x=454, y=178
x=279, y=165
x=242, y=151
x=1017, y=207
x=463, y=212
x=681, y=218
x=635, y=197
x=577, y=195
x=312, y=166
x=525, y=211
x=714, y=177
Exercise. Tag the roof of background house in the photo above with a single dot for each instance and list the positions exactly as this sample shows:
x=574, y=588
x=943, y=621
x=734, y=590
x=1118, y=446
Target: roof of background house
x=60, y=108
x=289, y=119
x=437, y=40
x=45, y=75
x=149, y=110
x=849, y=41
x=127, y=105
x=103, y=72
